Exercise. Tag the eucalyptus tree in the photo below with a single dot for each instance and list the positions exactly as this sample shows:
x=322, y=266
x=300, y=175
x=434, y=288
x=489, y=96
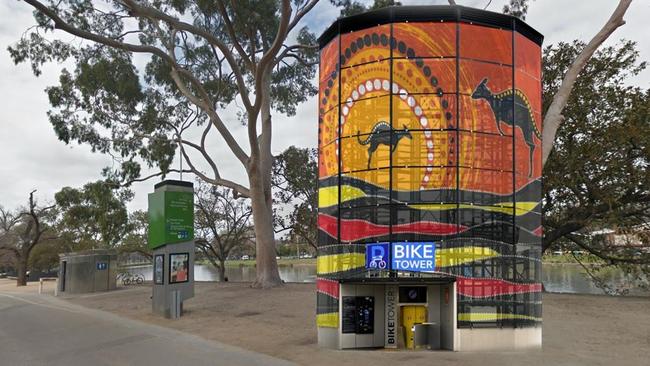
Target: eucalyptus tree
x=598, y=175
x=223, y=224
x=199, y=57
x=23, y=230
x=295, y=178
x=94, y=216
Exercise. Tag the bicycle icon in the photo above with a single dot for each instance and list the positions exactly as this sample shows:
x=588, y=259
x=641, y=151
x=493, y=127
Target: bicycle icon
x=378, y=262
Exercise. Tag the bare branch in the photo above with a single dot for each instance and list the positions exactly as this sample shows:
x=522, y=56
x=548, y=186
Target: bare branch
x=301, y=13
x=233, y=35
x=241, y=190
x=554, y=116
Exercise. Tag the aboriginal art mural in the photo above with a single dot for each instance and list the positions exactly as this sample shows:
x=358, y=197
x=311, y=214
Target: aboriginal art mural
x=432, y=132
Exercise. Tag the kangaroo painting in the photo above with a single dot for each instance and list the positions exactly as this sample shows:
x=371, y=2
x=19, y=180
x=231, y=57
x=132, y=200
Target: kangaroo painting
x=381, y=134
x=502, y=107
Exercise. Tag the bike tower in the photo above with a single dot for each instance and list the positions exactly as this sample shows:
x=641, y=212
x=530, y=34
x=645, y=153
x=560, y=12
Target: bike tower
x=429, y=181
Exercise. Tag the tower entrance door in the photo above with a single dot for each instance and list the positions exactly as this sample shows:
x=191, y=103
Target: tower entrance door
x=411, y=315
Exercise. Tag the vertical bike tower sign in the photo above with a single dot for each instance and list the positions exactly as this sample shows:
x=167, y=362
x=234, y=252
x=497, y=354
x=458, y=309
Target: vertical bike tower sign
x=171, y=237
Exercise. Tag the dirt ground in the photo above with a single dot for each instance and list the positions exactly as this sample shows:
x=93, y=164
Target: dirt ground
x=578, y=329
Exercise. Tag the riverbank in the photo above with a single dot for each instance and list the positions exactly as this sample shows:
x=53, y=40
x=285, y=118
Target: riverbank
x=578, y=329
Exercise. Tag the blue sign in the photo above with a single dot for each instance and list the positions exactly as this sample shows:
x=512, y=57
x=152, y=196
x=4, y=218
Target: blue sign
x=101, y=266
x=377, y=256
x=415, y=257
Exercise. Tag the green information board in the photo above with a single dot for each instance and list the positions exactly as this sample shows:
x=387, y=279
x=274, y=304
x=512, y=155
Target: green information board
x=171, y=218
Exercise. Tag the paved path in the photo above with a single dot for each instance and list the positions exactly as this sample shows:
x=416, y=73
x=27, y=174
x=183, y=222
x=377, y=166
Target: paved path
x=42, y=330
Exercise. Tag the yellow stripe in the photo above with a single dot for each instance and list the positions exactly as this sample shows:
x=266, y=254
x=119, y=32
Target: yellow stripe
x=455, y=256
x=340, y=262
x=444, y=258
x=487, y=317
x=329, y=196
x=503, y=207
x=328, y=320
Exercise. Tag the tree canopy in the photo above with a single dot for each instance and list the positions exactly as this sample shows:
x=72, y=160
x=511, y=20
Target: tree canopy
x=94, y=216
x=295, y=177
x=598, y=175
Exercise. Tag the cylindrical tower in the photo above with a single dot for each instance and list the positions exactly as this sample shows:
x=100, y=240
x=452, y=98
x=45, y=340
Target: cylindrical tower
x=430, y=178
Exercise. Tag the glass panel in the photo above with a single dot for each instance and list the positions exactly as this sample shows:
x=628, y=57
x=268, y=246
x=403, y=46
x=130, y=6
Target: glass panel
x=418, y=40
x=413, y=182
x=436, y=76
x=328, y=126
x=485, y=80
x=486, y=181
x=365, y=152
x=366, y=45
x=484, y=43
x=477, y=115
x=528, y=56
x=486, y=151
x=424, y=111
x=424, y=148
x=373, y=181
x=433, y=223
x=365, y=224
x=528, y=145
x=328, y=225
x=328, y=60
x=530, y=91
x=365, y=115
x=328, y=162
x=365, y=81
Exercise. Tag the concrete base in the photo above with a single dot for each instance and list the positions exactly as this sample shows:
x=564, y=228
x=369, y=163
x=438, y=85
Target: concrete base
x=495, y=339
x=328, y=338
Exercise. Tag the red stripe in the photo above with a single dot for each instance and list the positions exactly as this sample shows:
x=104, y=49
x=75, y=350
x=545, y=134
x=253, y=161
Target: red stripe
x=539, y=231
x=480, y=287
x=328, y=287
x=356, y=229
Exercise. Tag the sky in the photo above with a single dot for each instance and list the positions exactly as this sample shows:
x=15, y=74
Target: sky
x=33, y=158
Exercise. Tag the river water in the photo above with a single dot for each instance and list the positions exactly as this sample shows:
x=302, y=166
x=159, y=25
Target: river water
x=566, y=278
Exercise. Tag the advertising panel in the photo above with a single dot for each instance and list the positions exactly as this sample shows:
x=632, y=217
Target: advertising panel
x=158, y=269
x=179, y=264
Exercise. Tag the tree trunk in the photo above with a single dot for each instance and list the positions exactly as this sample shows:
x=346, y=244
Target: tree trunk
x=222, y=270
x=259, y=175
x=267, y=266
x=21, y=269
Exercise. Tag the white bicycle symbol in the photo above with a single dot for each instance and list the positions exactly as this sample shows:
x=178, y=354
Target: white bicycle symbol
x=378, y=262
